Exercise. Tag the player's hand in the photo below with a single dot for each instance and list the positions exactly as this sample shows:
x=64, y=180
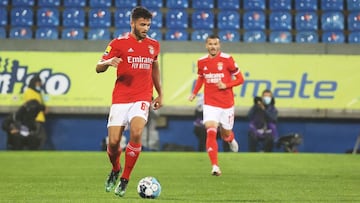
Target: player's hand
x=192, y=97
x=221, y=85
x=114, y=61
x=156, y=103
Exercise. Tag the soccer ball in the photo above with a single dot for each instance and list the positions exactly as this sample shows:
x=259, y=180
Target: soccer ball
x=149, y=187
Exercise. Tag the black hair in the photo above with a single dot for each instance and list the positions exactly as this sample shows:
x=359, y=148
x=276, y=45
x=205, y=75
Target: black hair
x=33, y=81
x=140, y=12
x=212, y=36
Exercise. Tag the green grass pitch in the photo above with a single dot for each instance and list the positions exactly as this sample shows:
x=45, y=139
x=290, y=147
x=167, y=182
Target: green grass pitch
x=185, y=177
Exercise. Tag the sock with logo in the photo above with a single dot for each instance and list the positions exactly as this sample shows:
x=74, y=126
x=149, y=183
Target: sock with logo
x=114, y=156
x=212, y=146
x=131, y=155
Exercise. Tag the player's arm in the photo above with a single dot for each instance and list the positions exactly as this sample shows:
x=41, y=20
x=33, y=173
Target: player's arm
x=198, y=85
x=103, y=64
x=157, y=84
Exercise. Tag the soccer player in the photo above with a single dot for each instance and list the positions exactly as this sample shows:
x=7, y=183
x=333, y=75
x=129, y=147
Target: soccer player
x=135, y=58
x=219, y=73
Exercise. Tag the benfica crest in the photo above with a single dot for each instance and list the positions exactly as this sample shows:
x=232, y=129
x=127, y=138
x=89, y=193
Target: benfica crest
x=219, y=65
x=151, y=49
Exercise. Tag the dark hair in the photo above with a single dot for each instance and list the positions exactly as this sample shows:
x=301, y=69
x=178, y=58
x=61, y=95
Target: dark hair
x=267, y=91
x=212, y=36
x=140, y=12
x=36, y=78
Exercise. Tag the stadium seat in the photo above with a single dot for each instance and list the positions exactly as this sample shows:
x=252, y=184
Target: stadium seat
x=48, y=3
x=306, y=21
x=254, y=20
x=280, y=5
x=332, y=5
x=333, y=37
x=22, y=16
x=74, y=3
x=254, y=5
x=2, y=33
x=73, y=34
x=99, y=18
x=157, y=19
x=152, y=4
x=122, y=17
x=353, y=21
x=22, y=3
x=280, y=37
x=203, y=4
x=125, y=3
x=200, y=35
x=203, y=19
x=100, y=3
x=3, y=16
x=332, y=20
x=176, y=18
x=20, y=33
x=48, y=17
x=353, y=5
x=98, y=34
x=229, y=35
x=155, y=34
x=255, y=36
x=307, y=37
x=228, y=5
x=228, y=19
x=4, y=3
x=121, y=32
x=50, y=33
x=280, y=20
x=306, y=5
x=176, y=35
x=179, y=4
x=354, y=37
x=73, y=17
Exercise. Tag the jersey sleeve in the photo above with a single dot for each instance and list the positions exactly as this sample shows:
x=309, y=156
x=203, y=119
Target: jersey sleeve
x=233, y=67
x=110, y=50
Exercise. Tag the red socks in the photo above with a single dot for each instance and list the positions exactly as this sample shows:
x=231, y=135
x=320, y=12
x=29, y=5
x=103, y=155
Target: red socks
x=114, y=156
x=131, y=155
x=230, y=137
x=212, y=146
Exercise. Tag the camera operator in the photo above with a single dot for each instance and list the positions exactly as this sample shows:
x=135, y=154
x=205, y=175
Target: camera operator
x=263, y=118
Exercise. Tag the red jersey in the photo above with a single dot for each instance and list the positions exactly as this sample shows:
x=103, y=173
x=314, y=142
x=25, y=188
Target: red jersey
x=134, y=73
x=220, y=68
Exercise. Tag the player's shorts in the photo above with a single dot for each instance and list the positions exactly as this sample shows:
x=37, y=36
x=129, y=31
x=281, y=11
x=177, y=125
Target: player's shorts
x=122, y=114
x=225, y=117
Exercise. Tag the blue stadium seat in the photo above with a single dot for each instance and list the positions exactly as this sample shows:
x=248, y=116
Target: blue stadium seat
x=255, y=36
x=176, y=35
x=177, y=18
x=73, y=34
x=152, y=4
x=98, y=34
x=74, y=3
x=228, y=5
x=48, y=17
x=203, y=19
x=155, y=34
x=73, y=17
x=47, y=33
x=229, y=35
x=306, y=21
x=122, y=17
x=3, y=16
x=22, y=3
x=125, y=3
x=254, y=20
x=100, y=3
x=2, y=33
x=22, y=16
x=332, y=20
x=280, y=5
x=121, y=32
x=157, y=19
x=280, y=37
x=228, y=19
x=200, y=35
x=181, y=4
x=306, y=5
x=20, y=33
x=332, y=5
x=333, y=37
x=307, y=37
x=353, y=21
x=353, y=5
x=48, y=3
x=203, y=4
x=254, y=5
x=99, y=18
x=280, y=20
x=4, y=3
x=354, y=37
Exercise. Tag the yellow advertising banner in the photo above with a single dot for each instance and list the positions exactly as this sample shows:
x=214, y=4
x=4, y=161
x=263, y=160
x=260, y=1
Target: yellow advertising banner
x=297, y=81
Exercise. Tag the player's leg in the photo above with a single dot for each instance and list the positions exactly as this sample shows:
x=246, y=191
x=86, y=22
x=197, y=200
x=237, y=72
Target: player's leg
x=227, y=123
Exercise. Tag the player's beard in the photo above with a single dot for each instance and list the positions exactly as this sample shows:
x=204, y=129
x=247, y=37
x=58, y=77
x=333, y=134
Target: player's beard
x=138, y=34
